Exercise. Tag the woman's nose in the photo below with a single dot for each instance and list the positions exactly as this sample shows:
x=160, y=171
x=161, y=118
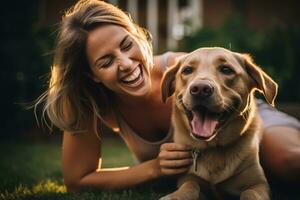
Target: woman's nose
x=124, y=63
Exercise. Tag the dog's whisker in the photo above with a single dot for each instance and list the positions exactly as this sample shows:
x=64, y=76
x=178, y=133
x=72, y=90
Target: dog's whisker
x=245, y=114
x=230, y=108
x=178, y=102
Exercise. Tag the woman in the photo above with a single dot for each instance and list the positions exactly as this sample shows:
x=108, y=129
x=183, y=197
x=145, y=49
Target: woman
x=104, y=73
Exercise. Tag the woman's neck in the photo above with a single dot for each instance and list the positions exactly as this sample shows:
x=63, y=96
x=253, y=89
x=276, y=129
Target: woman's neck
x=131, y=101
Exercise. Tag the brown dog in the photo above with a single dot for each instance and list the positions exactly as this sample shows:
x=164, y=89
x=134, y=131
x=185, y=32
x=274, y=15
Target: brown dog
x=214, y=111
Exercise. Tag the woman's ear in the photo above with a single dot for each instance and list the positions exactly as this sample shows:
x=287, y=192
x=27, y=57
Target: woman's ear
x=263, y=82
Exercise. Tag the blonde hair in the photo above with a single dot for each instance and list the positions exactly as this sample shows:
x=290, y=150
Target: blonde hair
x=74, y=102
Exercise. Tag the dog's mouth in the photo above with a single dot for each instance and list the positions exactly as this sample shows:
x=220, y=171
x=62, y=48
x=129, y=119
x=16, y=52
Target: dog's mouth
x=204, y=123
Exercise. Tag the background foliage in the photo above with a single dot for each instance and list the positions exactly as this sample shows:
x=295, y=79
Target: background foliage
x=277, y=50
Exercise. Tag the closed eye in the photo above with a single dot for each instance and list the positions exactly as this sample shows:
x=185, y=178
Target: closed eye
x=126, y=43
x=106, y=62
x=126, y=46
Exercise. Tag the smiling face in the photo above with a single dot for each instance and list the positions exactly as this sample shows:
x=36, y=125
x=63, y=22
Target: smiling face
x=116, y=60
x=212, y=85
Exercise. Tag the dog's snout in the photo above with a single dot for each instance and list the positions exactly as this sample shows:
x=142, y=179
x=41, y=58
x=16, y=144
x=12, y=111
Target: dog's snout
x=202, y=90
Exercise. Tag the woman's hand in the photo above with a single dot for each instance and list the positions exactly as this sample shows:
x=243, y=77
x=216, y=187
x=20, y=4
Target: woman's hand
x=174, y=159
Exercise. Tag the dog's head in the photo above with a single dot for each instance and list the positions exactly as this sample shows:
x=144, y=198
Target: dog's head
x=211, y=85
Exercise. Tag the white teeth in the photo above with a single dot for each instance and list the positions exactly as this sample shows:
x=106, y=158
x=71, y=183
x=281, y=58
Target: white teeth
x=134, y=75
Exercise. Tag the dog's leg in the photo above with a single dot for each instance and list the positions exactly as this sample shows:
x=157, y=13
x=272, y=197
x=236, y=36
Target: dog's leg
x=189, y=190
x=256, y=192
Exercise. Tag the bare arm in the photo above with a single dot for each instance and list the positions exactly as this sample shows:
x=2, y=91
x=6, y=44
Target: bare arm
x=80, y=159
x=280, y=153
x=81, y=155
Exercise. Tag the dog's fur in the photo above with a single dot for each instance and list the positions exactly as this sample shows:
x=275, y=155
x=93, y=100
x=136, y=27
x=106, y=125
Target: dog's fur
x=228, y=159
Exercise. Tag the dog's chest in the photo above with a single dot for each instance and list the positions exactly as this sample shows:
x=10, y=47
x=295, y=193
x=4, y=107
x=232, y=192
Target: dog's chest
x=214, y=167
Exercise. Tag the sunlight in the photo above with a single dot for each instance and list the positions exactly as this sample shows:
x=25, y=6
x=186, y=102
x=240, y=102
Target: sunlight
x=49, y=186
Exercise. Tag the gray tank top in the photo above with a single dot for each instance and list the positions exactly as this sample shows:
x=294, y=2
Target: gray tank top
x=142, y=149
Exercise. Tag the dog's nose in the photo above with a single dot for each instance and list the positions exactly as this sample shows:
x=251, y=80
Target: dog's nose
x=202, y=90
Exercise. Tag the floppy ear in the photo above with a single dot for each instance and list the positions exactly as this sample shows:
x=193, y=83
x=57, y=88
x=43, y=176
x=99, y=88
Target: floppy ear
x=264, y=83
x=167, y=82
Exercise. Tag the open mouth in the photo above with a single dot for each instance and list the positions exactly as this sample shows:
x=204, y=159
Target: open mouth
x=204, y=124
x=135, y=78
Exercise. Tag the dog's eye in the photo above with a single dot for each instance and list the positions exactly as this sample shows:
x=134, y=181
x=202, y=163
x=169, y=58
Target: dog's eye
x=226, y=70
x=187, y=70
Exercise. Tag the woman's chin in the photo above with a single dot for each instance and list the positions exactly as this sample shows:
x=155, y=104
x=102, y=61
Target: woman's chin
x=139, y=87
x=139, y=91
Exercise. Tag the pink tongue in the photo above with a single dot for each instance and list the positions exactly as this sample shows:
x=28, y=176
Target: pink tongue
x=203, y=126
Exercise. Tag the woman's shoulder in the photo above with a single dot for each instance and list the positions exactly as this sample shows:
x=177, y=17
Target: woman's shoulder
x=167, y=59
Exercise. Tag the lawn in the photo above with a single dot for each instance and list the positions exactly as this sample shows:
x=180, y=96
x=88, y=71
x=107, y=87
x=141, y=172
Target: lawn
x=32, y=170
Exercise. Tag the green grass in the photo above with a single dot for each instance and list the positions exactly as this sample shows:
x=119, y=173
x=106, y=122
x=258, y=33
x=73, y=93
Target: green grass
x=32, y=170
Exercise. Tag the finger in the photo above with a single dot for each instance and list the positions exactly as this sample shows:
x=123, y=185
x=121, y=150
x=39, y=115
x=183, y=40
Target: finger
x=174, y=155
x=176, y=163
x=170, y=171
x=175, y=147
